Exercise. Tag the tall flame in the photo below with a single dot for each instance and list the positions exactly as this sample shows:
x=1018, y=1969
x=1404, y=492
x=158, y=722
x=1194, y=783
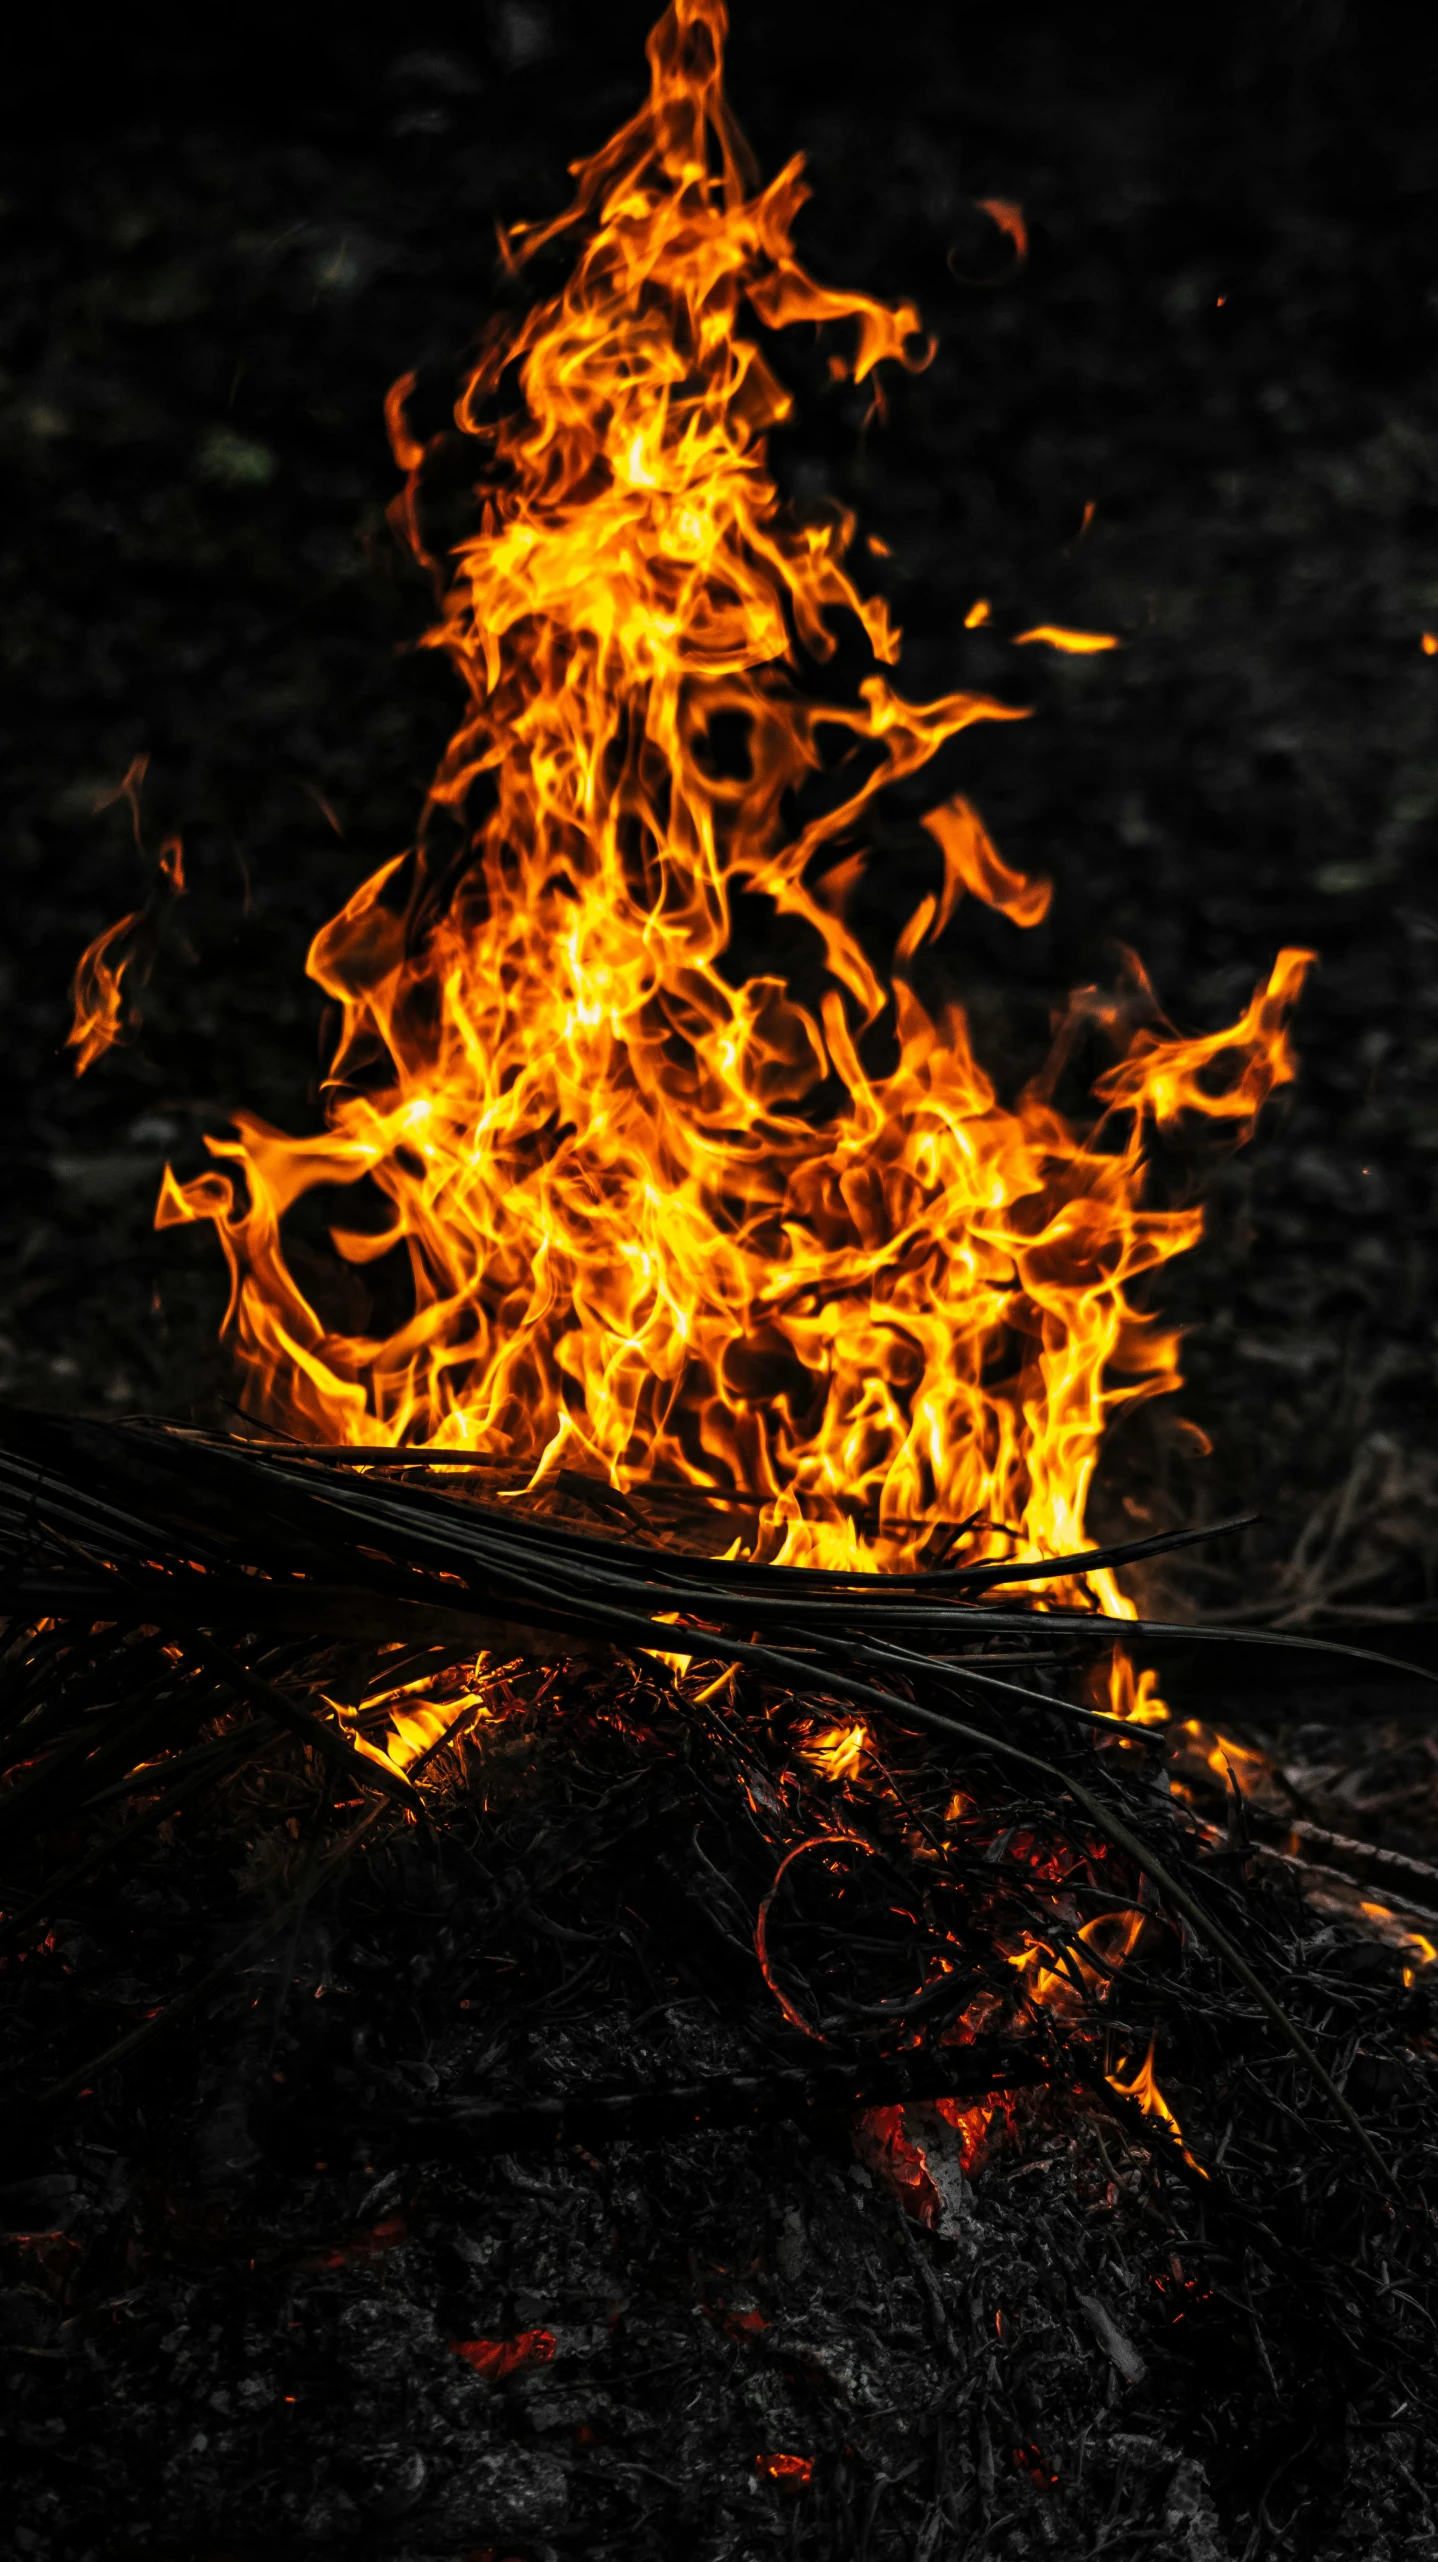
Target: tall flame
x=657, y=1225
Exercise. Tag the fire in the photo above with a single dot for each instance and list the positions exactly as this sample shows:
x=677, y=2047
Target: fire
x=1100, y=1947
x=415, y=1721
x=102, y=993
x=640, y=1217
x=836, y=1751
x=1144, y=2088
x=1402, y=1934
x=1073, y=644
x=1233, y=1764
x=1131, y=1694
x=98, y=993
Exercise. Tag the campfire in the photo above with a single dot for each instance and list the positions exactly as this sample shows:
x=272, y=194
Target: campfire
x=611, y=1871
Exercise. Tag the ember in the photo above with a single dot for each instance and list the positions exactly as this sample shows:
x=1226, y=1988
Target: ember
x=791, y=2472
x=494, y=2359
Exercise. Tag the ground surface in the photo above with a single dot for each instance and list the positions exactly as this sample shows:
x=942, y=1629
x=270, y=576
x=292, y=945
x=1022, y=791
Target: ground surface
x=274, y=2286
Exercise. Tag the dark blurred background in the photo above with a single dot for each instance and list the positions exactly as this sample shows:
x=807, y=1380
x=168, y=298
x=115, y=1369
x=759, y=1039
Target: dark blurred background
x=222, y=242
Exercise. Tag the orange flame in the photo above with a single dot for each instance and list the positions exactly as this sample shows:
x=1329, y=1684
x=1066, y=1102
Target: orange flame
x=1100, y=1946
x=837, y=1751
x=1144, y=2088
x=1073, y=644
x=650, y=1221
x=1130, y=1694
x=97, y=994
x=103, y=1011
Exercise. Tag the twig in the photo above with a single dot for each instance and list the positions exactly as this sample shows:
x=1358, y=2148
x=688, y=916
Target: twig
x=358, y=1768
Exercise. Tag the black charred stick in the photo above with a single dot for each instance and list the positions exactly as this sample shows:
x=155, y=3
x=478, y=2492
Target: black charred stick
x=468, y=1535
x=44, y=1688
x=1308, y=1869
x=1109, y=1822
x=1392, y=1870
x=426, y=1613
x=111, y=1744
x=1123, y=1552
x=881, y=1654
x=260, y=1497
x=720, y=1572
x=383, y=1607
x=150, y=1460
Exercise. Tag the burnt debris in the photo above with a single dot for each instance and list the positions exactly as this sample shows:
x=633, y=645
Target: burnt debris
x=730, y=2100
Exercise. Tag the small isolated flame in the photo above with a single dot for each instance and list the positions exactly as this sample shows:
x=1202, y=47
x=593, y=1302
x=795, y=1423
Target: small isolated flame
x=1131, y=1694
x=638, y=1216
x=98, y=993
x=1402, y=1933
x=118, y=961
x=1099, y=1947
x=1073, y=644
x=1144, y=2088
x=836, y=1751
